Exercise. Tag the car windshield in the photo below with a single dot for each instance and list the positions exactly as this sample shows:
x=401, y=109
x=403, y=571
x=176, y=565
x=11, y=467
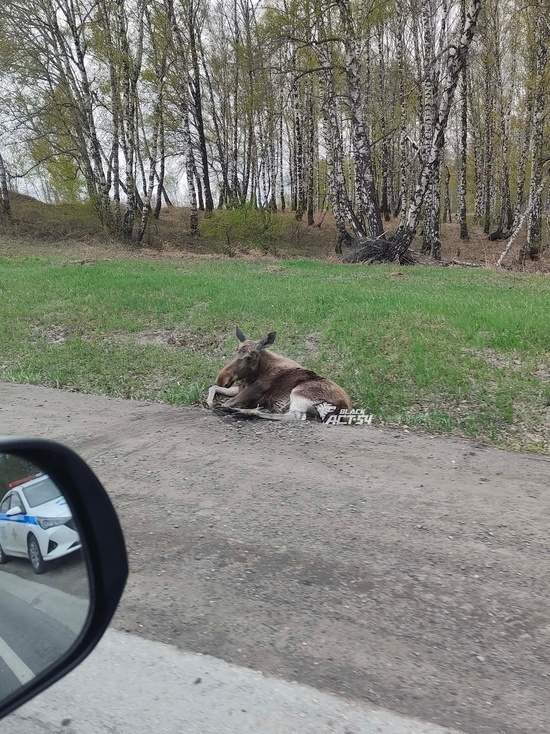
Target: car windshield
x=40, y=492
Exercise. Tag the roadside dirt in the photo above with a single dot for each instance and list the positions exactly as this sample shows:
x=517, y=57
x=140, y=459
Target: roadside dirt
x=398, y=568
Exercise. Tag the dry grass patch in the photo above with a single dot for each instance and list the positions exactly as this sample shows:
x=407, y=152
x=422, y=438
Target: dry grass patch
x=207, y=344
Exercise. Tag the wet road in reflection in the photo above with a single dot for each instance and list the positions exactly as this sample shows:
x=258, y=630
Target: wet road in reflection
x=40, y=617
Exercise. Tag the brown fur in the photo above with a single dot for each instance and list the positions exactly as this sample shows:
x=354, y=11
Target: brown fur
x=270, y=381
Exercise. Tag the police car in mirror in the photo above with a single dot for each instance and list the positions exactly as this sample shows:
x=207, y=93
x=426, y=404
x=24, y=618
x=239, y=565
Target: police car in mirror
x=36, y=523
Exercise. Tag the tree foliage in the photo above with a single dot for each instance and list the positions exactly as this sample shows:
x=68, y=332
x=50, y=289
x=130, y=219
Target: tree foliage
x=315, y=105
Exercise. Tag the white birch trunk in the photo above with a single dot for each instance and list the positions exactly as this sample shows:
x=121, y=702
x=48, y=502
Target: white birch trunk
x=430, y=240
x=5, y=205
x=533, y=243
x=456, y=58
x=181, y=66
x=463, y=143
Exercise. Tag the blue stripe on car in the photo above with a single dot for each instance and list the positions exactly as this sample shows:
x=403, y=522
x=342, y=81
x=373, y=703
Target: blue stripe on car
x=27, y=519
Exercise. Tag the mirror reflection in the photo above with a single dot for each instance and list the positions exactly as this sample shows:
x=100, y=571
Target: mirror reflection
x=44, y=587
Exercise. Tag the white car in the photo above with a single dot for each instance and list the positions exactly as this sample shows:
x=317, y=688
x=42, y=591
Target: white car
x=36, y=523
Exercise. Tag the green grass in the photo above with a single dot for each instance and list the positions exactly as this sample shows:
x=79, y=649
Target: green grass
x=445, y=349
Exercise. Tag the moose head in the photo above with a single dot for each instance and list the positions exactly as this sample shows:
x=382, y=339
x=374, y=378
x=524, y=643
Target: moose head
x=246, y=361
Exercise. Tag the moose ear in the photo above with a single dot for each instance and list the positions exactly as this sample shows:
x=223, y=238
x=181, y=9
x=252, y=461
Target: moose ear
x=267, y=340
x=240, y=336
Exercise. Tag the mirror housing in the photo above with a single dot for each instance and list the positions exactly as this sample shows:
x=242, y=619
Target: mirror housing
x=103, y=549
x=14, y=511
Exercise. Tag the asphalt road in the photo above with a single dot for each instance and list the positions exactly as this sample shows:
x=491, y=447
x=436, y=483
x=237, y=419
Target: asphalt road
x=67, y=574
x=393, y=569
x=35, y=638
x=134, y=686
x=38, y=625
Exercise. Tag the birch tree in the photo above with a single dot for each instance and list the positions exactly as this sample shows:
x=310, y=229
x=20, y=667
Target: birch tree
x=463, y=141
x=182, y=87
x=368, y=207
x=431, y=242
x=454, y=62
x=194, y=31
x=533, y=242
x=5, y=205
x=291, y=104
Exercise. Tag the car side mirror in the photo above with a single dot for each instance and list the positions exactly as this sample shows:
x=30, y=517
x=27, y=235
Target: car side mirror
x=69, y=534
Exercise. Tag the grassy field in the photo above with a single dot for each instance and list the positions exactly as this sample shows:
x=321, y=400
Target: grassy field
x=450, y=350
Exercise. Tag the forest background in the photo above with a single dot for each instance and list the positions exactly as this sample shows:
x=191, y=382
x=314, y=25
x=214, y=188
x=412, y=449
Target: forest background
x=380, y=119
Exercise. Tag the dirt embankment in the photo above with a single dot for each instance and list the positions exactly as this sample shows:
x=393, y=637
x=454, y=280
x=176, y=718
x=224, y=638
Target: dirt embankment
x=386, y=566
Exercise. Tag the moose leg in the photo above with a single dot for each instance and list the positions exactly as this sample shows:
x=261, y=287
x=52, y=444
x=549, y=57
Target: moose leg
x=217, y=390
x=249, y=395
x=257, y=413
x=292, y=415
x=300, y=409
x=250, y=413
